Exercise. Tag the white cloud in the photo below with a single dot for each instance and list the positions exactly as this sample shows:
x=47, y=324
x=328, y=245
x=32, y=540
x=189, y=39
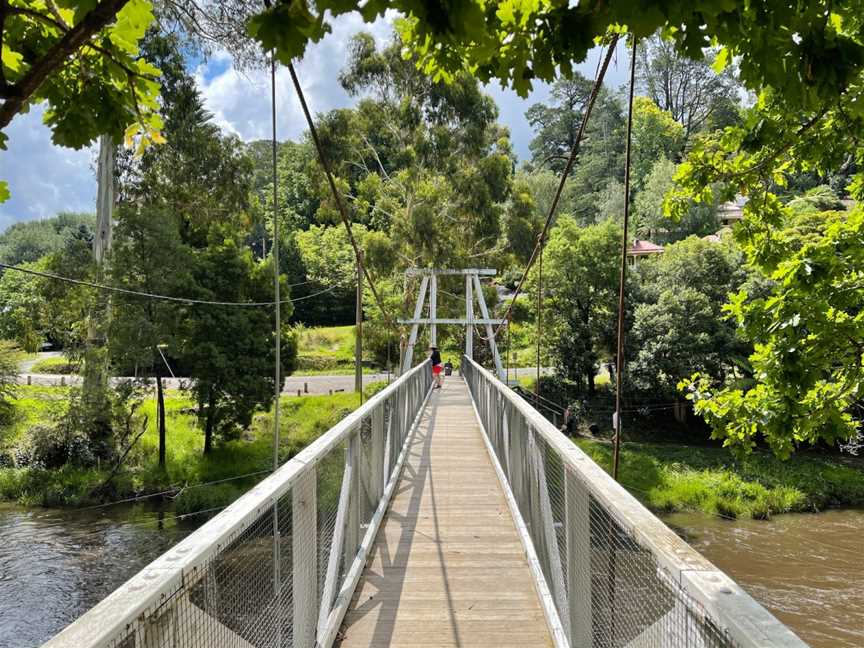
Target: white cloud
x=240, y=102
x=45, y=179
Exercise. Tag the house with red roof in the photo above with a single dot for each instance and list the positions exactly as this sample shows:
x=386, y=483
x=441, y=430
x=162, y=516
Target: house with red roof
x=641, y=249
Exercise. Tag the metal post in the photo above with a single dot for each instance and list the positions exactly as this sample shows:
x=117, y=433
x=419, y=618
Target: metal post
x=304, y=501
x=433, y=310
x=507, y=351
x=469, y=316
x=490, y=332
x=412, y=340
x=578, y=529
x=358, y=330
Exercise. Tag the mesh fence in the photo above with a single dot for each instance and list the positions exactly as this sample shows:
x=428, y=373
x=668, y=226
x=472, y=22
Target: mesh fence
x=278, y=567
x=609, y=587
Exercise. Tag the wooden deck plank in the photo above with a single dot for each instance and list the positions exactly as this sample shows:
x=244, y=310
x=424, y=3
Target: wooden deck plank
x=447, y=568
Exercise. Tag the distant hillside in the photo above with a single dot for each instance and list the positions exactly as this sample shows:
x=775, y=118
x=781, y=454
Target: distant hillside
x=31, y=240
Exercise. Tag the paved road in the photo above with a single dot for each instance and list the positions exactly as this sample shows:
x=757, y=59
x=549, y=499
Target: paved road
x=306, y=384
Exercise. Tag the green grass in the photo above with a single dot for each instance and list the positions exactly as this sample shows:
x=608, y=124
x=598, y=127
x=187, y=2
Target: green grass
x=326, y=349
x=55, y=365
x=302, y=421
x=32, y=405
x=670, y=478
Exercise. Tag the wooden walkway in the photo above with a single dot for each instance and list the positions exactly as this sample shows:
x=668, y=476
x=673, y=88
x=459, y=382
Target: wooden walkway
x=447, y=568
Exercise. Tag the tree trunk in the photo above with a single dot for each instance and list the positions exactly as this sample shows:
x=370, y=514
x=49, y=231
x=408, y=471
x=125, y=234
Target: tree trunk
x=591, y=383
x=160, y=418
x=211, y=419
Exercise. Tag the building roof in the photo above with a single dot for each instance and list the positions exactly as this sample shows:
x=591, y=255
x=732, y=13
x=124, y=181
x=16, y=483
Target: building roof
x=640, y=248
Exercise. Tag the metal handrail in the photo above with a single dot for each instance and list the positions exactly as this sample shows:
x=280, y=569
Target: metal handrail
x=523, y=440
x=167, y=579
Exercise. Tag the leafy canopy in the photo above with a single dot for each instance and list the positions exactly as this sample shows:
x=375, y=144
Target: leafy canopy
x=808, y=335
x=804, y=51
x=82, y=58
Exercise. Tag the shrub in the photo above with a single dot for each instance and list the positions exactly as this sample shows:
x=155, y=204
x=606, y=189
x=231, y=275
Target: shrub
x=8, y=378
x=52, y=446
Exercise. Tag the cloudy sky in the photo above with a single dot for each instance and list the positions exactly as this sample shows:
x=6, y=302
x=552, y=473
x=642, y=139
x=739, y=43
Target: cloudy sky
x=45, y=179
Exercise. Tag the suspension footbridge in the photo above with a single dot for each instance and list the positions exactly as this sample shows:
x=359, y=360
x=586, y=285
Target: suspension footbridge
x=453, y=517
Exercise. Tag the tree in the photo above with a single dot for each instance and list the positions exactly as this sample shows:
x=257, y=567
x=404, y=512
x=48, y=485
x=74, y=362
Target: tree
x=689, y=90
x=229, y=351
x=29, y=241
x=815, y=200
x=47, y=50
x=656, y=135
x=148, y=256
x=808, y=338
x=650, y=219
x=328, y=262
x=580, y=279
x=417, y=159
x=199, y=174
x=679, y=327
x=523, y=222
x=556, y=125
x=191, y=197
x=601, y=155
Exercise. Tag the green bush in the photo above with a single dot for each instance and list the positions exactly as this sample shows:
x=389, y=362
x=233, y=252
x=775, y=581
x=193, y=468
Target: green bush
x=52, y=446
x=8, y=379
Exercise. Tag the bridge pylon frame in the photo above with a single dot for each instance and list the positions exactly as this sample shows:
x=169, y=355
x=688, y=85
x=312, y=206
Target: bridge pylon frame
x=473, y=289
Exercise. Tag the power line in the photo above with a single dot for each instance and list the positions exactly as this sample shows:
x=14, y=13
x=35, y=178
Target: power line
x=147, y=295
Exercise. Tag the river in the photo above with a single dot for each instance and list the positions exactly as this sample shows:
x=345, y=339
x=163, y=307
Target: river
x=55, y=565
x=808, y=569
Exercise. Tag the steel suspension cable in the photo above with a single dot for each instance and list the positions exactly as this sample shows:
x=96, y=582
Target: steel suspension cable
x=619, y=361
x=539, y=309
x=343, y=212
x=574, y=152
x=277, y=368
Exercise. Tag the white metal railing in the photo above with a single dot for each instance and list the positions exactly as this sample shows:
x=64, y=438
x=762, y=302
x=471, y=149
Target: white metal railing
x=609, y=572
x=278, y=567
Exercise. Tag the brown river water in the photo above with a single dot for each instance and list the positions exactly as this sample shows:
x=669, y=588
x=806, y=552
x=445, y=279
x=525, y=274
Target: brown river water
x=55, y=565
x=808, y=569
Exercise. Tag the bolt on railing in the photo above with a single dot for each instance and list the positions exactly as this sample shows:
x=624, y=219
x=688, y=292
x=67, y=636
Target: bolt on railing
x=608, y=571
x=279, y=566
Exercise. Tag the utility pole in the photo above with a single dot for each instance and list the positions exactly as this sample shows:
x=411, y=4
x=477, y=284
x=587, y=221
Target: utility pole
x=358, y=330
x=95, y=378
x=104, y=199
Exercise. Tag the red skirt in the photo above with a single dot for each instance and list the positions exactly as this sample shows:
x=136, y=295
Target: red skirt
x=436, y=369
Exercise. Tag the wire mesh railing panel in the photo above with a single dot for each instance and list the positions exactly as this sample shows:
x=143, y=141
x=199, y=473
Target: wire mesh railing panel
x=611, y=575
x=278, y=567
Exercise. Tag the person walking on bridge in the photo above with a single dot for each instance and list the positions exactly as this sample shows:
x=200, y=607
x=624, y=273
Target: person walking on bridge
x=437, y=367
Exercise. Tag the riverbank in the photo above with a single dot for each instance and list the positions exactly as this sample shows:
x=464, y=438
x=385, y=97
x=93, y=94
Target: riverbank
x=671, y=478
x=228, y=471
